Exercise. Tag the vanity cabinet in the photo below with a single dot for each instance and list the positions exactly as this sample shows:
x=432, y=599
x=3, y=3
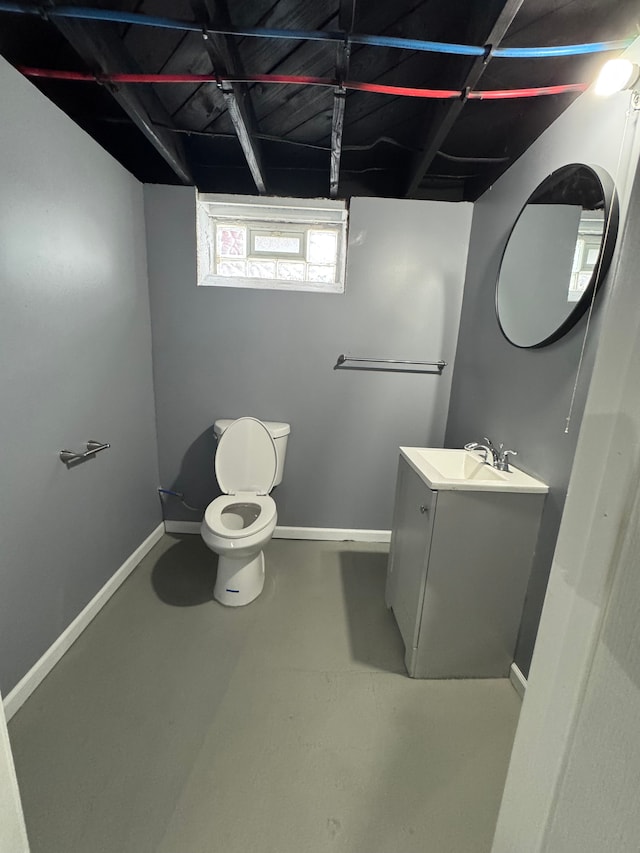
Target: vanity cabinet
x=457, y=576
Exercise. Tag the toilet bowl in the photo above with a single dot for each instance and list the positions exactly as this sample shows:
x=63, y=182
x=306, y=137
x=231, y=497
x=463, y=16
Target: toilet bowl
x=238, y=524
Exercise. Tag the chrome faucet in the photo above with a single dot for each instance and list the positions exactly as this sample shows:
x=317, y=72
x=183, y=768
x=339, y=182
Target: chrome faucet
x=499, y=456
x=480, y=448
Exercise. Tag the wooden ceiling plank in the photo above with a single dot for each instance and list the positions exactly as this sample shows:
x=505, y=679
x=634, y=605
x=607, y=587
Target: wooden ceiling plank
x=368, y=114
x=150, y=45
x=103, y=51
x=318, y=58
x=225, y=60
x=251, y=50
x=261, y=55
x=277, y=103
x=512, y=133
x=282, y=109
x=180, y=100
x=314, y=59
x=438, y=131
x=393, y=67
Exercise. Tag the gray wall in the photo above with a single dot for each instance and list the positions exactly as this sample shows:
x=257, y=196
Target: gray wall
x=603, y=743
x=574, y=773
x=76, y=365
x=522, y=397
x=223, y=352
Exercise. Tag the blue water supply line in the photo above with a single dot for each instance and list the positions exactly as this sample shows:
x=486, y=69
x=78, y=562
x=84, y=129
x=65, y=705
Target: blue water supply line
x=180, y=496
x=136, y=18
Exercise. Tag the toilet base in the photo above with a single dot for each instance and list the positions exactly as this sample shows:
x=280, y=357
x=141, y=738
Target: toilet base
x=239, y=580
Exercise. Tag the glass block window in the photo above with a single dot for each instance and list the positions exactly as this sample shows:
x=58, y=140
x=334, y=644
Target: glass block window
x=271, y=243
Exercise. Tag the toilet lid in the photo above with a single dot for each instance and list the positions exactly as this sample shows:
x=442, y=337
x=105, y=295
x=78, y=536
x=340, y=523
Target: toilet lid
x=246, y=458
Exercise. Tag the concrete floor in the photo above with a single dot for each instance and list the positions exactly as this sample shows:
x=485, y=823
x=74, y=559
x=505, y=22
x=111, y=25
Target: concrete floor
x=175, y=725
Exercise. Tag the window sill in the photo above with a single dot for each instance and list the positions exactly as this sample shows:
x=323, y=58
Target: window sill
x=271, y=284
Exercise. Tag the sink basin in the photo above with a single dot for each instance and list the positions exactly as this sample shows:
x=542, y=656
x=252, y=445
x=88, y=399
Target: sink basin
x=459, y=464
x=466, y=470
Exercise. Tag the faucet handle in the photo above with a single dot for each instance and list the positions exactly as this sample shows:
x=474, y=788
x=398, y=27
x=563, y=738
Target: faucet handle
x=505, y=458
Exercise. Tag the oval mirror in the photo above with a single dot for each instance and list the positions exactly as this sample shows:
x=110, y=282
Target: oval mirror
x=557, y=255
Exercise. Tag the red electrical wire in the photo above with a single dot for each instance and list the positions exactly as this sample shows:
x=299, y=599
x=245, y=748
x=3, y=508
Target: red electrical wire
x=402, y=91
x=348, y=84
x=502, y=94
x=56, y=75
x=283, y=78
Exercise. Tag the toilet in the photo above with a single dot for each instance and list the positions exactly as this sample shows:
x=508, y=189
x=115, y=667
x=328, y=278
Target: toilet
x=249, y=462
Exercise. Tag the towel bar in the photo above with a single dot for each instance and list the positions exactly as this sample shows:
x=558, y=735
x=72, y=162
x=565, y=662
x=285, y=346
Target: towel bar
x=413, y=366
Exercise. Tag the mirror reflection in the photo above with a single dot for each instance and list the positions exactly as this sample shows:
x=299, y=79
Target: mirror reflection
x=557, y=255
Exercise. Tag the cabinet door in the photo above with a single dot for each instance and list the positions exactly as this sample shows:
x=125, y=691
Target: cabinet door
x=412, y=527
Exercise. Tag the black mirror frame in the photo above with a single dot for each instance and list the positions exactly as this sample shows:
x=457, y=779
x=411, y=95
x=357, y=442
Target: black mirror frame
x=611, y=219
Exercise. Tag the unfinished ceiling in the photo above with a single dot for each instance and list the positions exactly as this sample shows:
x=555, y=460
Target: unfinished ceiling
x=240, y=131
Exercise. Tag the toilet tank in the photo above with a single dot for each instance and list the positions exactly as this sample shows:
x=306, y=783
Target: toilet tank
x=279, y=432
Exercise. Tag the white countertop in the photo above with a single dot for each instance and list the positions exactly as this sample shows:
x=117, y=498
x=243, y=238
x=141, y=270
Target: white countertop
x=465, y=470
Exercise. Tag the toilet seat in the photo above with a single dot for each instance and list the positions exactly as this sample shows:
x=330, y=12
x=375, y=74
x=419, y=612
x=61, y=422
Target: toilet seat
x=246, y=460
x=215, y=522
x=245, y=466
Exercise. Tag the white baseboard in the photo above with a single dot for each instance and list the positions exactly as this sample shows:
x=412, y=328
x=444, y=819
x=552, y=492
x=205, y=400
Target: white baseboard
x=518, y=681
x=24, y=688
x=327, y=534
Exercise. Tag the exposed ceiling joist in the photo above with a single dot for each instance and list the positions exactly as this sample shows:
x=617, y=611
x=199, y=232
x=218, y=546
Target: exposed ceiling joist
x=346, y=17
x=225, y=60
x=438, y=130
x=101, y=48
x=337, y=125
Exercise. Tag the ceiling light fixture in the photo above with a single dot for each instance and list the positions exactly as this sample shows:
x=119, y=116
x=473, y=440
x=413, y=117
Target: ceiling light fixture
x=616, y=75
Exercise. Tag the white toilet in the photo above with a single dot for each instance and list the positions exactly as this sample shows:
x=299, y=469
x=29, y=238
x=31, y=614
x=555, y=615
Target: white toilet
x=249, y=463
